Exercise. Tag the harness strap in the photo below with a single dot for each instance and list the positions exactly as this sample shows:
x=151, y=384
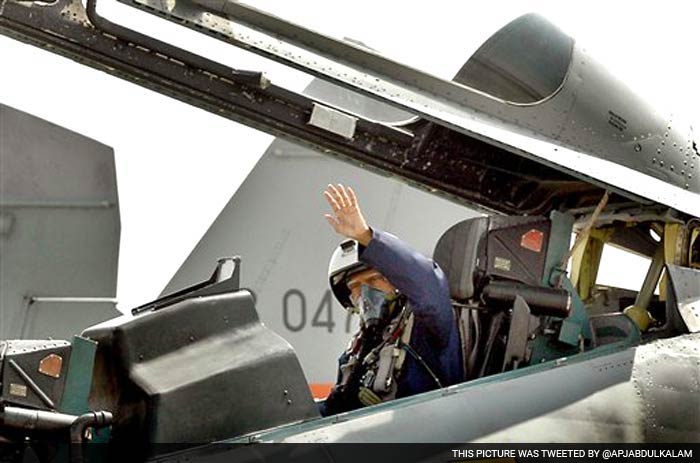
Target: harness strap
x=390, y=358
x=405, y=338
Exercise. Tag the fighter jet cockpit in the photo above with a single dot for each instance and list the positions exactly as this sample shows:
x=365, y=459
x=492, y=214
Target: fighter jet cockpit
x=515, y=176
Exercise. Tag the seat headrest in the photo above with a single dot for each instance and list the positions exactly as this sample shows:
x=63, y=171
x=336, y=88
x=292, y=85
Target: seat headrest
x=456, y=252
x=477, y=250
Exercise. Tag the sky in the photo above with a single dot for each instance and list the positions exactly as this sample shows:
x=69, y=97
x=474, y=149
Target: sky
x=177, y=166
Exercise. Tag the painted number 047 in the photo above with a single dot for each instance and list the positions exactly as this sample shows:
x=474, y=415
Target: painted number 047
x=294, y=312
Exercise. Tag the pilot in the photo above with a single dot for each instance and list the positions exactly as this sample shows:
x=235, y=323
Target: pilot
x=408, y=341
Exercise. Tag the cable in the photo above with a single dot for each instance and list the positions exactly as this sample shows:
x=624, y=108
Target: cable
x=420, y=360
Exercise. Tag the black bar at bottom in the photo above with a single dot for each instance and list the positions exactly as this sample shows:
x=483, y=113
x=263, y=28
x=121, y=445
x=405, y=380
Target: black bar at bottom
x=361, y=453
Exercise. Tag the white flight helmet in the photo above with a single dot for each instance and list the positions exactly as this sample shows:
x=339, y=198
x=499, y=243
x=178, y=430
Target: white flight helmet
x=344, y=262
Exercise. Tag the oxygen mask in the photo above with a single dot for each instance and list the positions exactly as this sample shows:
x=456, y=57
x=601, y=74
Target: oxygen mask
x=373, y=305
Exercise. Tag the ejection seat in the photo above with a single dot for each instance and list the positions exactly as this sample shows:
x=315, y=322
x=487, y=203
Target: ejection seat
x=498, y=274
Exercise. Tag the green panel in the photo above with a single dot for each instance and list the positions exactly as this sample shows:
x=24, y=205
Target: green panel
x=578, y=322
x=79, y=380
x=545, y=350
x=558, y=248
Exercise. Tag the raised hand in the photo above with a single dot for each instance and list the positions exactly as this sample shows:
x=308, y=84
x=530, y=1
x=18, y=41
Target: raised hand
x=347, y=218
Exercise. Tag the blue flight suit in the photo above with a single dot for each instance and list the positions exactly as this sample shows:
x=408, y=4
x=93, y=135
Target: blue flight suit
x=435, y=335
